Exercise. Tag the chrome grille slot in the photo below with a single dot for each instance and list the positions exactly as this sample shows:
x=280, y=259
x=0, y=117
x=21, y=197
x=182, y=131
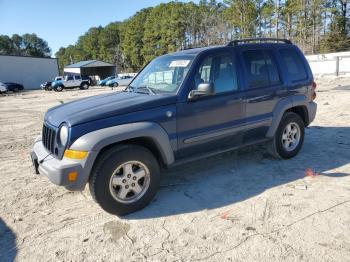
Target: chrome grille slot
x=48, y=138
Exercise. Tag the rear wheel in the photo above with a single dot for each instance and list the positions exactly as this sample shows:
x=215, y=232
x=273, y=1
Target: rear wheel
x=115, y=85
x=289, y=137
x=84, y=85
x=125, y=179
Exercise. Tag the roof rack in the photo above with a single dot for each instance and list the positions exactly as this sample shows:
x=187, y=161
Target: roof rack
x=242, y=41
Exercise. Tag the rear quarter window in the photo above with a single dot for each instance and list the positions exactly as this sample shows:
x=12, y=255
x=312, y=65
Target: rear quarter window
x=261, y=68
x=294, y=65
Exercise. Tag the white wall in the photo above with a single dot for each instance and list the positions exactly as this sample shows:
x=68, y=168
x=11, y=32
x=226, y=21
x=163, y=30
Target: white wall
x=72, y=70
x=325, y=64
x=28, y=71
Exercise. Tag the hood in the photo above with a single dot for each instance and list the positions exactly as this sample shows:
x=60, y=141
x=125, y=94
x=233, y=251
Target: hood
x=56, y=82
x=104, y=106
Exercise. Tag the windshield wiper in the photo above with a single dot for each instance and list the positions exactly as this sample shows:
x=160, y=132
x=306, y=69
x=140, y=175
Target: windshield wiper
x=148, y=89
x=129, y=89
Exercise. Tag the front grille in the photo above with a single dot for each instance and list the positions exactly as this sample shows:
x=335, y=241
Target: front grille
x=49, y=137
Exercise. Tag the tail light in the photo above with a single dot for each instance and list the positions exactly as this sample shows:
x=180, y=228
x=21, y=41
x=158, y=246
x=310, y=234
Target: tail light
x=314, y=85
x=313, y=91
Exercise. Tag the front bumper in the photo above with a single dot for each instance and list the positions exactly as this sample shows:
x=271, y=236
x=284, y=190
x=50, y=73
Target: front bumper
x=57, y=170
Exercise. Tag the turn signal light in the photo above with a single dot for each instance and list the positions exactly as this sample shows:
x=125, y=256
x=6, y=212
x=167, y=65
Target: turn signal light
x=313, y=96
x=75, y=154
x=72, y=176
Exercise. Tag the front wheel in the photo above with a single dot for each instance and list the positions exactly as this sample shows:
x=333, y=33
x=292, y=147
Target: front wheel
x=58, y=88
x=289, y=137
x=125, y=179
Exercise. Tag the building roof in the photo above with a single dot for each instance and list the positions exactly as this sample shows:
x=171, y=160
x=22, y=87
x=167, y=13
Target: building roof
x=89, y=63
x=25, y=56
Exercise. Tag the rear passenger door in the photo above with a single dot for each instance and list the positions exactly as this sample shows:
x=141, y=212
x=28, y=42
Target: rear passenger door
x=69, y=82
x=264, y=87
x=77, y=80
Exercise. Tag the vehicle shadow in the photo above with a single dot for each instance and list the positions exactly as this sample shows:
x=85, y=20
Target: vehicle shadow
x=8, y=249
x=236, y=176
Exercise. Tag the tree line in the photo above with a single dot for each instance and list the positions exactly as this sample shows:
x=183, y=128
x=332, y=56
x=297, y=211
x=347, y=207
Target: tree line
x=24, y=45
x=316, y=26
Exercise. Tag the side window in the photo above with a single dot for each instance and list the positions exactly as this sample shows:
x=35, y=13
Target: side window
x=77, y=78
x=221, y=71
x=204, y=71
x=272, y=68
x=261, y=68
x=70, y=78
x=295, y=66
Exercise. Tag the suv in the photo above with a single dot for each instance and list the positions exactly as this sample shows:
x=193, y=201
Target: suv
x=181, y=107
x=69, y=82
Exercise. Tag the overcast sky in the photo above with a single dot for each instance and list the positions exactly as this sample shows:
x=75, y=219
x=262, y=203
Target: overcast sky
x=61, y=22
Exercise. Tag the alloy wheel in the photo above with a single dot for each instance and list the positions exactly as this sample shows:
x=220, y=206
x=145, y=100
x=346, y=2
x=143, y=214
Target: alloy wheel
x=129, y=182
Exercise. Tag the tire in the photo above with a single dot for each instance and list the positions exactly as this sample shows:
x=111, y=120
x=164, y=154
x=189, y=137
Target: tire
x=59, y=88
x=115, y=85
x=84, y=86
x=287, y=144
x=116, y=163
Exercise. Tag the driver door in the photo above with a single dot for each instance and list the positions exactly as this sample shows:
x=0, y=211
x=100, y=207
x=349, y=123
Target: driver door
x=214, y=122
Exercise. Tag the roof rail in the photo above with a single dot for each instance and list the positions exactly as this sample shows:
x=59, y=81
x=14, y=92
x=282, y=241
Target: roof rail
x=242, y=41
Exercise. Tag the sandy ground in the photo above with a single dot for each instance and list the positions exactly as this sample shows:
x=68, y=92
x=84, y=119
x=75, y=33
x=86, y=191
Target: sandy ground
x=238, y=206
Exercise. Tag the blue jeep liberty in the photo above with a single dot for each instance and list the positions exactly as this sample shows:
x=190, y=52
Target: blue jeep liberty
x=181, y=107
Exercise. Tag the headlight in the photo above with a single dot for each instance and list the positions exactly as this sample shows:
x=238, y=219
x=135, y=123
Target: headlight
x=63, y=135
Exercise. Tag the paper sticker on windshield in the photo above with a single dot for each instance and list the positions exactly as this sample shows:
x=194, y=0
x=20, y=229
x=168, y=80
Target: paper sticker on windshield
x=179, y=63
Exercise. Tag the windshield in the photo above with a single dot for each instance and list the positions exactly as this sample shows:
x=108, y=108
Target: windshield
x=163, y=75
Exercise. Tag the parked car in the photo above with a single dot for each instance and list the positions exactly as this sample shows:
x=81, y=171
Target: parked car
x=14, y=87
x=46, y=86
x=3, y=88
x=119, y=81
x=181, y=107
x=69, y=82
x=104, y=81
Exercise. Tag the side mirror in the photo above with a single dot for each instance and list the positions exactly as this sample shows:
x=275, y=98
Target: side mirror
x=203, y=89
